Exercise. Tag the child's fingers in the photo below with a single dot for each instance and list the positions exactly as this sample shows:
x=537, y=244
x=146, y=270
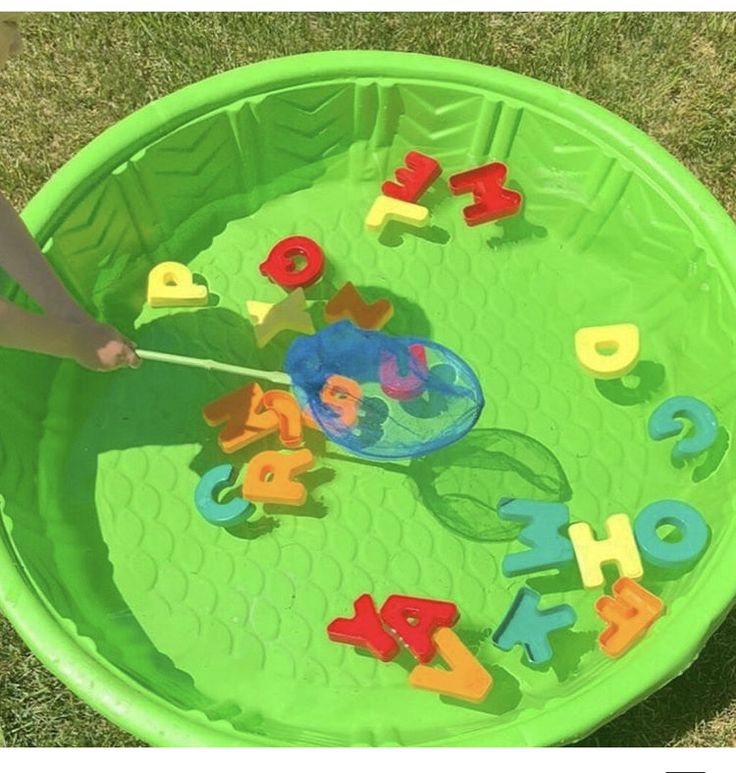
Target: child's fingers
x=131, y=358
x=134, y=361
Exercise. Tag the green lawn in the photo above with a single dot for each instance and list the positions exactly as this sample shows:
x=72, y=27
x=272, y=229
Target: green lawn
x=672, y=75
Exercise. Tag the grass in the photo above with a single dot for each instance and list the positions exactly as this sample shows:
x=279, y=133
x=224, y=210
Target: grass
x=672, y=75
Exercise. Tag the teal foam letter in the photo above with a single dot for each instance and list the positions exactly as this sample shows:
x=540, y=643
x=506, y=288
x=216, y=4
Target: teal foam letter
x=529, y=626
x=543, y=521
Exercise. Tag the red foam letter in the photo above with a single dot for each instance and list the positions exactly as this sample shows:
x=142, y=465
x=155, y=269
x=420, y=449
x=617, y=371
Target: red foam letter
x=364, y=630
x=280, y=266
x=413, y=383
x=398, y=611
x=492, y=200
x=413, y=179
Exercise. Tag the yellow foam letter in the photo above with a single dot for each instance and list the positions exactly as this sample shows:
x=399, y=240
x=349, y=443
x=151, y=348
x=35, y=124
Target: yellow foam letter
x=609, y=351
x=619, y=548
x=385, y=208
x=171, y=284
x=271, y=318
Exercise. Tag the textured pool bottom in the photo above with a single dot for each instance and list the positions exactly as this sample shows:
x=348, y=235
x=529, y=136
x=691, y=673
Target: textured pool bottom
x=240, y=618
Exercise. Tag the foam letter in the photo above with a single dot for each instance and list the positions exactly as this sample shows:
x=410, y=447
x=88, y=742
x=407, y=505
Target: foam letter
x=466, y=680
x=246, y=422
x=414, y=179
x=271, y=318
x=348, y=304
x=543, y=521
x=385, y=208
x=609, y=351
x=529, y=626
x=492, y=200
x=285, y=406
x=693, y=530
x=413, y=383
x=342, y=394
x=629, y=614
x=226, y=514
x=619, y=548
x=428, y=615
x=364, y=630
x=280, y=265
x=668, y=421
x=171, y=284
x=269, y=477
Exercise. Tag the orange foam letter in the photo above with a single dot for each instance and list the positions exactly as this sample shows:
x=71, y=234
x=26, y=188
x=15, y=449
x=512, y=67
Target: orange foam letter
x=466, y=679
x=348, y=304
x=343, y=395
x=629, y=613
x=285, y=406
x=269, y=477
x=246, y=423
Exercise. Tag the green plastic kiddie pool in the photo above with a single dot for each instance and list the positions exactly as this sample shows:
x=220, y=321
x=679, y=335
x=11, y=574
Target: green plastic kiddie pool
x=188, y=634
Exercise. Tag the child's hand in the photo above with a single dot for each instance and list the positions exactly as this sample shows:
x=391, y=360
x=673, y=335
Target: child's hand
x=100, y=347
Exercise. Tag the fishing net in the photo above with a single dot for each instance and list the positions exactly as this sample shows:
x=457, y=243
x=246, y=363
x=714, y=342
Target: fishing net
x=380, y=396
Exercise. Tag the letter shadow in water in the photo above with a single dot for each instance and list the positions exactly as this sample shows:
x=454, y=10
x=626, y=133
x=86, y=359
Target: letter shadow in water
x=394, y=233
x=569, y=647
x=637, y=387
x=517, y=228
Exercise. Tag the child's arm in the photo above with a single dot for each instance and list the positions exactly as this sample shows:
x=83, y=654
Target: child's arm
x=95, y=346
x=66, y=330
x=22, y=259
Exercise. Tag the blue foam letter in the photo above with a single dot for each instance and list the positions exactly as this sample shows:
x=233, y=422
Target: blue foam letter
x=693, y=530
x=543, y=521
x=232, y=513
x=666, y=422
x=529, y=626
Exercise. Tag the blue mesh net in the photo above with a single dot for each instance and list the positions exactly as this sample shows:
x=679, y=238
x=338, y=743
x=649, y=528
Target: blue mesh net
x=380, y=396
